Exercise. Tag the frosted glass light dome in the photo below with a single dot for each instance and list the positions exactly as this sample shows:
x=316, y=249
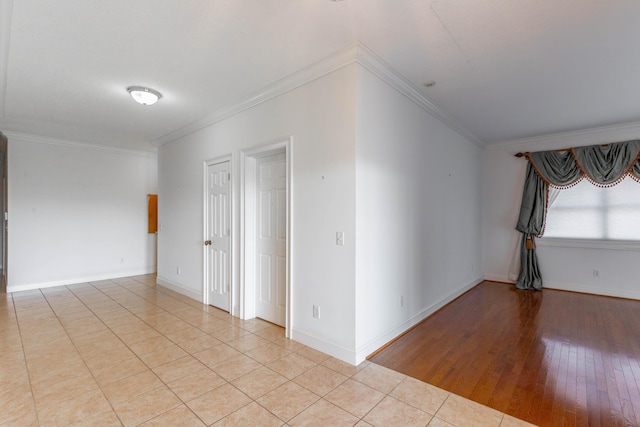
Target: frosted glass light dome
x=144, y=95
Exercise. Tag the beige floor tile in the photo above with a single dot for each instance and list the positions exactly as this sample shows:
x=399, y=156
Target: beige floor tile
x=199, y=344
x=271, y=333
x=218, y=403
x=73, y=410
x=354, y=397
x=363, y=423
x=460, y=411
x=217, y=354
x=250, y=415
x=102, y=419
x=380, y=378
x=235, y=367
x=16, y=406
x=64, y=353
x=321, y=414
x=130, y=387
x=437, y=422
x=172, y=326
x=128, y=327
x=185, y=335
x=291, y=365
x=423, y=396
x=139, y=335
x=150, y=344
x=61, y=373
x=177, y=417
x=14, y=358
x=163, y=355
x=392, y=412
x=288, y=344
x=343, y=367
x=311, y=354
x=84, y=343
x=16, y=388
x=10, y=342
x=197, y=384
x=320, y=380
x=259, y=382
x=146, y=406
x=509, y=421
x=26, y=419
x=228, y=334
x=252, y=325
x=122, y=369
x=49, y=393
x=247, y=342
x=268, y=353
x=288, y=400
x=96, y=361
x=37, y=342
x=86, y=329
x=212, y=324
x=178, y=368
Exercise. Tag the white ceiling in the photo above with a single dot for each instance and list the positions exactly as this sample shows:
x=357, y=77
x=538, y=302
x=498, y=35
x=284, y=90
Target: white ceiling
x=505, y=69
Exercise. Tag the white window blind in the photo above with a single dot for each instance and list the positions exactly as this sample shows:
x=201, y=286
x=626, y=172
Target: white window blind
x=586, y=211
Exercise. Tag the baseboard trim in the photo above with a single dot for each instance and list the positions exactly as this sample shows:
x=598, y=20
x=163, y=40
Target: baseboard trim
x=76, y=280
x=179, y=289
x=573, y=287
x=498, y=278
x=372, y=346
x=602, y=291
x=326, y=347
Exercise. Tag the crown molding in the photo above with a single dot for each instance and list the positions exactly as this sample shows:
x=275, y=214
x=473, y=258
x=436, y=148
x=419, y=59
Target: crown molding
x=306, y=75
x=76, y=144
x=6, y=12
x=589, y=136
x=370, y=61
x=355, y=53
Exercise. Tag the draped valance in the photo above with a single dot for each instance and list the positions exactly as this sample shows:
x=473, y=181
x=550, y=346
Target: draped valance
x=602, y=165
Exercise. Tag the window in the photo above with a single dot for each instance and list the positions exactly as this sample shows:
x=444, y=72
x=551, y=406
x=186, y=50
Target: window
x=586, y=211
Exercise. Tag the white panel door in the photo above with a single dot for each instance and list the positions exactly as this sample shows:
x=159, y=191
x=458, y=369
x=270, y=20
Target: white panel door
x=271, y=236
x=218, y=235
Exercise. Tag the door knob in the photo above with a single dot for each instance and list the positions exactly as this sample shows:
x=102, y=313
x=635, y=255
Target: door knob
x=207, y=242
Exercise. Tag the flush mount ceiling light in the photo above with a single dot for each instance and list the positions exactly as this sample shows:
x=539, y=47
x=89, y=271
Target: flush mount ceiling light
x=430, y=83
x=144, y=95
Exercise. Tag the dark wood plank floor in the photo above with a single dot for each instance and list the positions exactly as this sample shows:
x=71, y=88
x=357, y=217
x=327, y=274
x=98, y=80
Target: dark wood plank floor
x=551, y=358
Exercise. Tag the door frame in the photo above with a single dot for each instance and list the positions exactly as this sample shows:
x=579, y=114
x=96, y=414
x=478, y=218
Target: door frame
x=248, y=177
x=205, y=229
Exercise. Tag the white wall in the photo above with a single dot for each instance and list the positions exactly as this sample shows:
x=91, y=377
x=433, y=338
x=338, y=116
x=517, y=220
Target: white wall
x=418, y=214
x=568, y=268
x=77, y=213
x=320, y=118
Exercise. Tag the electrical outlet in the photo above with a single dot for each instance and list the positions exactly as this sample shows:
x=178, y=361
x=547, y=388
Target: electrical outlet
x=316, y=311
x=596, y=273
x=340, y=238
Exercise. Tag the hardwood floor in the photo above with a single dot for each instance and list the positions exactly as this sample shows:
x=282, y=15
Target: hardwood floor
x=551, y=358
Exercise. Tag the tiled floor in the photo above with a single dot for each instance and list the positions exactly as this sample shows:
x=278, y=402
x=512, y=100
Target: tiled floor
x=125, y=352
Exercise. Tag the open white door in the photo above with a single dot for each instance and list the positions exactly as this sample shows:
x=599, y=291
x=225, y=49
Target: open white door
x=271, y=238
x=218, y=260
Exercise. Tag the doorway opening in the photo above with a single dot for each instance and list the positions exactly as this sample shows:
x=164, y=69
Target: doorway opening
x=266, y=233
x=3, y=212
x=217, y=227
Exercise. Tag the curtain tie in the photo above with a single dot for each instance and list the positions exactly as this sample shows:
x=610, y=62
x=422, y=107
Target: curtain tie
x=530, y=244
